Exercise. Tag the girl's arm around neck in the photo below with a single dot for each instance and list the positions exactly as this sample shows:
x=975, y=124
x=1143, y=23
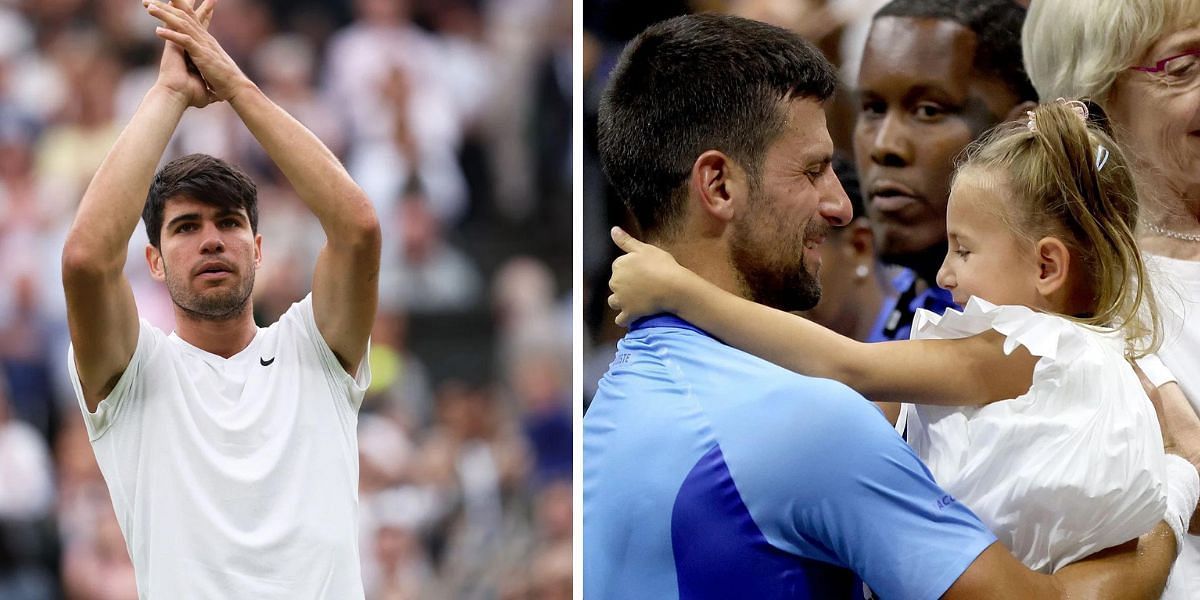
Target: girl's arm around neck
x=963, y=372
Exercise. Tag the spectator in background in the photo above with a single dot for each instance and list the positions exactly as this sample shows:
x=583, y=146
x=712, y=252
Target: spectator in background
x=554, y=143
x=98, y=567
x=288, y=64
x=395, y=82
x=82, y=496
x=73, y=146
x=550, y=576
x=1140, y=63
x=538, y=380
x=26, y=497
x=396, y=512
x=404, y=569
x=24, y=356
x=400, y=384
x=935, y=75
x=26, y=491
x=422, y=269
x=476, y=456
x=528, y=315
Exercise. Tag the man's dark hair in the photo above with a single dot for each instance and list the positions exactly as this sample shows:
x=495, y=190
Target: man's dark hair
x=997, y=27
x=203, y=178
x=692, y=84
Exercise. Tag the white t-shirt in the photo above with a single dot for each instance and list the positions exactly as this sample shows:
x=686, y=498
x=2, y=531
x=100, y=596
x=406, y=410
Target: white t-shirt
x=1070, y=467
x=1177, y=289
x=238, y=477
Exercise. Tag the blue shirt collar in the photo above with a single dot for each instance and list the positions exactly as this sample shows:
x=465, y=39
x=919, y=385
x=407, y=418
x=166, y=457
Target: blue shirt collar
x=665, y=320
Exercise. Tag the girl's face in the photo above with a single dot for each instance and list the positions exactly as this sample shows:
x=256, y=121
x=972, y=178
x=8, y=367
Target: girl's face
x=985, y=257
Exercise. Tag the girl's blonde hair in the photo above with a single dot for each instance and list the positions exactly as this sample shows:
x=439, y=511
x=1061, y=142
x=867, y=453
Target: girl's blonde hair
x=1071, y=181
x=1076, y=48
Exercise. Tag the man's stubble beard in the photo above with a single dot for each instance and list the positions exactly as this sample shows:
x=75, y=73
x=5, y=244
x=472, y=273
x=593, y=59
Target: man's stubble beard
x=221, y=306
x=768, y=273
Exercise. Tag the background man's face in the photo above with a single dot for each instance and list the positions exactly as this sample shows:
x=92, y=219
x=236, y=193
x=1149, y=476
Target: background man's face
x=207, y=257
x=775, y=242
x=921, y=102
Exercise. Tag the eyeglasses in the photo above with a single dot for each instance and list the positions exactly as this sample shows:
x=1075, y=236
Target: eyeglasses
x=1175, y=70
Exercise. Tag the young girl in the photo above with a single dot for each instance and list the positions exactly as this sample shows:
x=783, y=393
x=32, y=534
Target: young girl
x=1043, y=258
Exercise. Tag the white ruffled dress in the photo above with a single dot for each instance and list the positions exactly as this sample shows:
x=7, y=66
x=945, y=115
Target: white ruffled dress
x=1071, y=467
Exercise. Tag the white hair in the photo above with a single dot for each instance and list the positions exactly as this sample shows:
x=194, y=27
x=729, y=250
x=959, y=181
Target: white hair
x=1076, y=48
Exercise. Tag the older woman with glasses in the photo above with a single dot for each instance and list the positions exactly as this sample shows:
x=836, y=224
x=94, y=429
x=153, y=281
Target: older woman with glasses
x=1140, y=62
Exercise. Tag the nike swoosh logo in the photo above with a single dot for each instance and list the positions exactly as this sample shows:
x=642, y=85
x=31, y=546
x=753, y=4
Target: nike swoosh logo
x=264, y=362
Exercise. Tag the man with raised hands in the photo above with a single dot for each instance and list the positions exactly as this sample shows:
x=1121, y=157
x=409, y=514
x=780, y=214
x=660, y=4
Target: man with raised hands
x=229, y=450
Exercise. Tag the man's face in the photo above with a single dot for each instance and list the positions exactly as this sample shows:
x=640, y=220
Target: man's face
x=775, y=242
x=921, y=102
x=208, y=258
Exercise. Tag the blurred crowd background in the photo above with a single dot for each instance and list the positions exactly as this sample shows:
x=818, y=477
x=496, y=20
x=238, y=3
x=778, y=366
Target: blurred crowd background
x=454, y=116
x=839, y=29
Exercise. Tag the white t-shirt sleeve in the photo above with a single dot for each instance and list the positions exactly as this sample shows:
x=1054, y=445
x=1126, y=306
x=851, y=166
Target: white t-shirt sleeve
x=122, y=394
x=356, y=386
x=1154, y=369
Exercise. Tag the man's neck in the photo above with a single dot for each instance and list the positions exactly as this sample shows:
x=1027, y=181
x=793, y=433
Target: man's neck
x=708, y=259
x=223, y=338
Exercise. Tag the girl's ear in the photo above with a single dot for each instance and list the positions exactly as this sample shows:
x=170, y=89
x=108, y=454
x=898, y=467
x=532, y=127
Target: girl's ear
x=1054, y=266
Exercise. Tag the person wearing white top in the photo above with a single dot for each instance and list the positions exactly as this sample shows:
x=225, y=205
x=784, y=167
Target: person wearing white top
x=1140, y=62
x=229, y=450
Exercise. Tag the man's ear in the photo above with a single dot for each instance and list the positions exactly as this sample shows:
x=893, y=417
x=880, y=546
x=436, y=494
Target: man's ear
x=257, y=249
x=155, y=261
x=1054, y=266
x=719, y=185
x=1017, y=113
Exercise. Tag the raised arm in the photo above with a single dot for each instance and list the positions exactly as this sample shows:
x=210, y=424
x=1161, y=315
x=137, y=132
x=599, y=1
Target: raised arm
x=101, y=312
x=970, y=371
x=346, y=281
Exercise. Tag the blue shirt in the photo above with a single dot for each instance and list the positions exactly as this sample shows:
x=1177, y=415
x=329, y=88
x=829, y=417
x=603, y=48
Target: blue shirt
x=711, y=473
x=896, y=314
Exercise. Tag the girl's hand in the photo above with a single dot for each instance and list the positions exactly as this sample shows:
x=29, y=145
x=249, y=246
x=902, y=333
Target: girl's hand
x=644, y=280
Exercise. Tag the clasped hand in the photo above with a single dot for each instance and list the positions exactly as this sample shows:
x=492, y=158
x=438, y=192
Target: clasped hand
x=187, y=28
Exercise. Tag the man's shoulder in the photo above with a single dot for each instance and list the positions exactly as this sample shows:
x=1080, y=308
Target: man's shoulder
x=298, y=321
x=296, y=312
x=791, y=392
x=152, y=344
x=694, y=356
x=790, y=409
